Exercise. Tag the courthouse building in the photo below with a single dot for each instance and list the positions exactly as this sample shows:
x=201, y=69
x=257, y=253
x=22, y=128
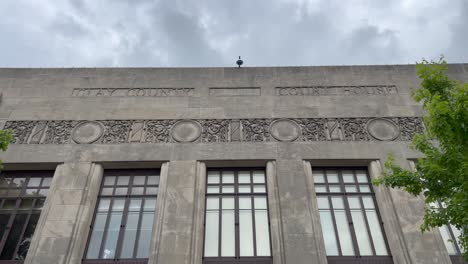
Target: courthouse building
x=212, y=165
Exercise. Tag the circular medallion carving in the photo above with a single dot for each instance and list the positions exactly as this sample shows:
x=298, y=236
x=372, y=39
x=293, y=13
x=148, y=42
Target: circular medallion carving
x=285, y=130
x=186, y=131
x=383, y=129
x=87, y=132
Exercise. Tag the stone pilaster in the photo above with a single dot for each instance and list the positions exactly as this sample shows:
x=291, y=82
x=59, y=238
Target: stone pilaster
x=298, y=222
x=63, y=227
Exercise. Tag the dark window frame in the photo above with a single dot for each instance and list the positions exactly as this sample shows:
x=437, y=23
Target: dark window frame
x=19, y=195
x=237, y=259
x=123, y=221
x=357, y=258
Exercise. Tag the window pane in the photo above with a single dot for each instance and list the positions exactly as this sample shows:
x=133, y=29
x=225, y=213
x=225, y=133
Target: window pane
x=228, y=177
x=332, y=177
x=135, y=205
x=361, y=176
x=448, y=240
x=121, y=191
x=322, y=203
x=107, y=191
x=354, y=203
x=3, y=223
x=344, y=234
x=259, y=189
x=228, y=203
x=328, y=233
x=364, y=188
x=34, y=182
x=13, y=237
x=152, y=190
x=348, y=177
x=211, y=233
x=145, y=235
x=337, y=202
x=228, y=189
x=150, y=204
x=244, y=177
x=213, y=177
x=246, y=233
x=318, y=177
x=320, y=189
x=258, y=176
x=335, y=189
x=123, y=180
x=245, y=203
x=260, y=202
x=96, y=236
x=153, y=179
x=27, y=237
x=212, y=189
x=368, y=202
x=350, y=188
x=137, y=190
x=262, y=234
x=130, y=234
x=104, y=204
x=361, y=233
x=212, y=203
x=376, y=233
x=109, y=180
x=46, y=181
x=244, y=189
x=18, y=182
x=228, y=248
x=112, y=235
x=139, y=180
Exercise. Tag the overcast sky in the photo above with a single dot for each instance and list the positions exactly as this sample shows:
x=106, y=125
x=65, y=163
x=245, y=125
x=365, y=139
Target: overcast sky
x=176, y=33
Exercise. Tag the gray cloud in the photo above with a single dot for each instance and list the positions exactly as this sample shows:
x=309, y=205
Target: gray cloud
x=94, y=33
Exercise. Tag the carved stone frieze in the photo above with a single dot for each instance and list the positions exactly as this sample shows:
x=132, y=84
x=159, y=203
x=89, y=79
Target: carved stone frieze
x=59, y=132
x=116, y=131
x=313, y=129
x=256, y=130
x=157, y=131
x=214, y=130
x=21, y=130
x=354, y=129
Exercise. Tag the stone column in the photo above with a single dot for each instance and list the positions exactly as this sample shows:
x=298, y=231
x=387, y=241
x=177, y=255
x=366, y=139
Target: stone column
x=298, y=223
x=403, y=214
x=179, y=237
x=62, y=231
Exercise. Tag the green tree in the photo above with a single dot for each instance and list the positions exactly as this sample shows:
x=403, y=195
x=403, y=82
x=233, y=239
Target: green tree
x=442, y=175
x=5, y=139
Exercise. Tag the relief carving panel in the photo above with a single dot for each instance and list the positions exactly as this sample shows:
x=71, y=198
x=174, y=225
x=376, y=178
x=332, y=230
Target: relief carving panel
x=215, y=130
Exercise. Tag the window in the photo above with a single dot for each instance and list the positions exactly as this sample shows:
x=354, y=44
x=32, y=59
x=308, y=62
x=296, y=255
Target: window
x=450, y=236
x=351, y=225
x=22, y=195
x=123, y=221
x=236, y=220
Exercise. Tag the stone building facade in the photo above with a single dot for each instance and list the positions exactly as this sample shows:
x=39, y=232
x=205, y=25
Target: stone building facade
x=211, y=165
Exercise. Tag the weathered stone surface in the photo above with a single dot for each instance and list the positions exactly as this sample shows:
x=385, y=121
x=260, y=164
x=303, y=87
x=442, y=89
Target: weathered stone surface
x=336, y=116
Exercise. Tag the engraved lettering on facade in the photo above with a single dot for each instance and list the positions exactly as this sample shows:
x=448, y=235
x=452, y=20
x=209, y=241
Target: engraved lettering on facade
x=336, y=90
x=132, y=92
